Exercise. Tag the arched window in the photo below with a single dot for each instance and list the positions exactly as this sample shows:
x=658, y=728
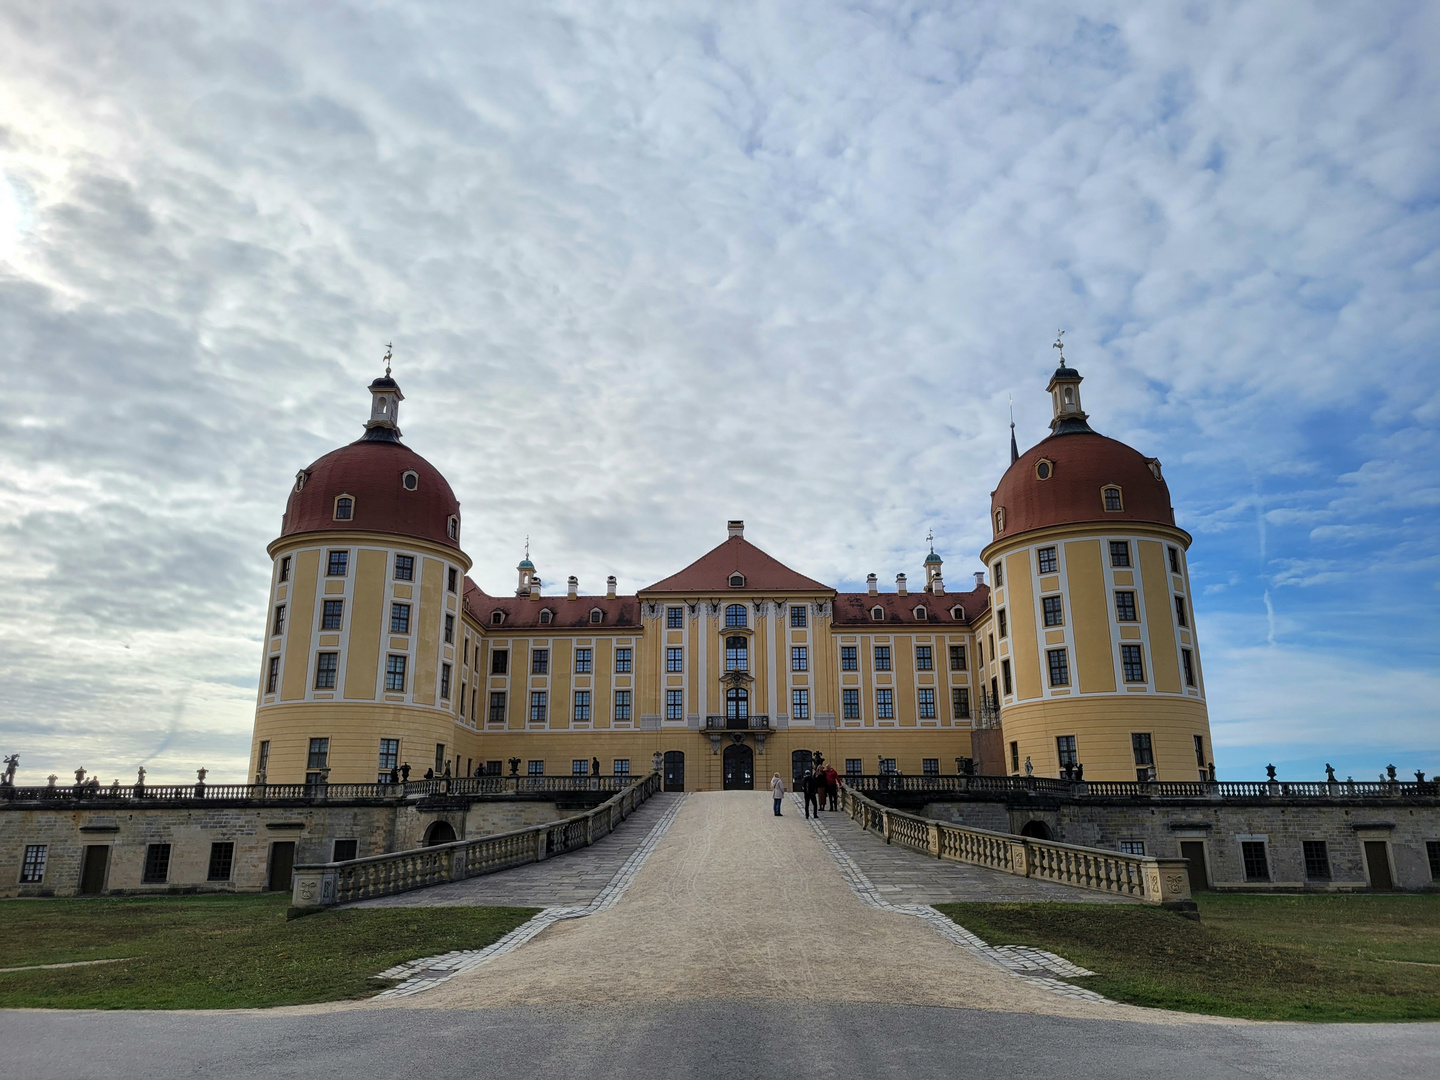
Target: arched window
x=735, y=615
x=877, y=613
x=546, y=615
x=411, y=480
x=497, y=617
x=737, y=654
x=596, y=615
x=737, y=581
x=957, y=613
x=737, y=703
x=300, y=480
x=344, y=508
x=1112, y=499
x=921, y=613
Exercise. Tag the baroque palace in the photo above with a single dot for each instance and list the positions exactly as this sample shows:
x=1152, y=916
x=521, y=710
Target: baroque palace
x=1081, y=654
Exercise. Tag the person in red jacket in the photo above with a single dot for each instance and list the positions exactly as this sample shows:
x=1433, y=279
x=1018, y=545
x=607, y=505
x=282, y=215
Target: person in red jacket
x=832, y=784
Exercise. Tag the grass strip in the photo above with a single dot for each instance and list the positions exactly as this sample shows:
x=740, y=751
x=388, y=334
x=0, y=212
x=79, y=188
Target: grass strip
x=1319, y=958
x=220, y=952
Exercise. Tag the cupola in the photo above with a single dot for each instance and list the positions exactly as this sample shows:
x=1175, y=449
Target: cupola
x=1064, y=389
x=385, y=398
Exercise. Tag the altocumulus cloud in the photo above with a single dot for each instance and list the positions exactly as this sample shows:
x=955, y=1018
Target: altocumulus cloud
x=648, y=267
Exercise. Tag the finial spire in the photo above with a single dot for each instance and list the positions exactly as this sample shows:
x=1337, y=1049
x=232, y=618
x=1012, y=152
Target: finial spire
x=1014, y=450
x=1060, y=344
x=527, y=546
x=388, y=348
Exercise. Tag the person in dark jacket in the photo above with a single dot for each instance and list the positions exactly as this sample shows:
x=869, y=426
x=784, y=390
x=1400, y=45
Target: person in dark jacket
x=810, y=785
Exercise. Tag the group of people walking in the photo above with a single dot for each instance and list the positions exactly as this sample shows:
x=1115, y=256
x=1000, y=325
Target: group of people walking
x=817, y=785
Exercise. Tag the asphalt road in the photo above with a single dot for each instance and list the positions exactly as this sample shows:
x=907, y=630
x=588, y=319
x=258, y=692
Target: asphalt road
x=743, y=1040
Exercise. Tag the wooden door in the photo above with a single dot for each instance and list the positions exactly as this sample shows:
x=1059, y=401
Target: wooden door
x=674, y=770
x=282, y=865
x=739, y=768
x=1193, y=852
x=1377, y=861
x=92, y=876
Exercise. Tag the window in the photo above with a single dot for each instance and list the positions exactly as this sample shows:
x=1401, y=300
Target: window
x=1174, y=560
x=674, y=660
x=583, y=661
x=737, y=581
x=537, y=706
x=622, y=704
x=535, y=768
x=1005, y=676
x=344, y=850
x=33, y=867
x=885, y=704
x=333, y=615
x=410, y=480
x=1187, y=658
x=622, y=661
x=395, y=673
x=957, y=657
x=497, y=706
x=799, y=658
x=1257, y=867
x=1120, y=553
x=452, y=528
x=850, y=704
x=579, y=767
x=389, y=759
x=1112, y=499
x=272, y=676
x=452, y=579
x=926, y=702
x=1059, y=663
x=798, y=615
x=285, y=568
x=848, y=659
x=1133, y=661
x=877, y=613
x=674, y=618
x=596, y=615
x=444, y=682
x=473, y=694
x=737, y=654
x=546, y=616
x=344, y=508
x=1132, y=847
x=924, y=658
x=157, y=864
x=1002, y=623
x=540, y=662
x=1014, y=757
x=264, y=756
x=800, y=704
x=1144, y=753
x=497, y=617
x=318, y=755
x=404, y=567
x=1199, y=751
x=737, y=703
x=620, y=766
x=449, y=629
x=1042, y=469
x=1180, y=615
x=222, y=861
x=1000, y=520
x=882, y=657
x=735, y=615
x=674, y=704
x=1432, y=853
x=500, y=662
x=999, y=575
x=1317, y=860
x=582, y=706
x=1065, y=751
x=278, y=626
x=399, y=618
x=887, y=766
x=854, y=766
x=1048, y=564
x=326, y=665
x=338, y=564
x=1125, y=606
x=1054, y=608
x=930, y=766
x=960, y=702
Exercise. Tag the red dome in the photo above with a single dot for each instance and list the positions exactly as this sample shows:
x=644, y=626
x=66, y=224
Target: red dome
x=372, y=472
x=1082, y=463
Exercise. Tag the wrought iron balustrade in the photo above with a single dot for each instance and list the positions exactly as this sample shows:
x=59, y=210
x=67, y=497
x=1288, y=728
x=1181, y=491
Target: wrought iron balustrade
x=755, y=722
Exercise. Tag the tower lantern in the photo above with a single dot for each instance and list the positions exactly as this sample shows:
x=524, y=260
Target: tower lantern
x=1064, y=391
x=385, y=398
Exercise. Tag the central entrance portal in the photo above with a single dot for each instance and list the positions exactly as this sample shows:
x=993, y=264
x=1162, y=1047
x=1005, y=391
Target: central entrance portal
x=739, y=768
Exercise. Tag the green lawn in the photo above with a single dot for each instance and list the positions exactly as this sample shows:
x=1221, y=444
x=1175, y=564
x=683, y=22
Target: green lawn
x=213, y=952
x=1355, y=957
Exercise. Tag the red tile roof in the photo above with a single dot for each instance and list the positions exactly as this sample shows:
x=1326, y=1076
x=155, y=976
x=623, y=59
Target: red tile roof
x=853, y=609
x=522, y=612
x=711, y=572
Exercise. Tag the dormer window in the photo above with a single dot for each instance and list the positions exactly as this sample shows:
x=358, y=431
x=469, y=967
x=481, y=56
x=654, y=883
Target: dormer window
x=596, y=615
x=496, y=618
x=921, y=613
x=344, y=508
x=452, y=527
x=877, y=613
x=1000, y=520
x=957, y=613
x=1044, y=469
x=300, y=480
x=546, y=616
x=1112, y=499
x=1154, y=464
x=737, y=581
x=410, y=480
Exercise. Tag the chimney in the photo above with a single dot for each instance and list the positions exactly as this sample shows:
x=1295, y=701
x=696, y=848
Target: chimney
x=900, y=585
x=534, y=586
x=734, y=528
x=870, y=584
x=979, y=578
x=610, y=587
x=572, y=587
x=937, y=584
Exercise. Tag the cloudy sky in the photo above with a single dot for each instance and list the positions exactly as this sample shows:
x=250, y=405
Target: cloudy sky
x=650, y=266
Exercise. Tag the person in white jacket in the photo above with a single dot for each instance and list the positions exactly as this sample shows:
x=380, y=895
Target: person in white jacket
x=777, y=789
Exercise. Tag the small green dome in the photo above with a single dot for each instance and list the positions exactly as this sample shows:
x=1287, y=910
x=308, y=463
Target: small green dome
x=932, y=558
x=525, y=564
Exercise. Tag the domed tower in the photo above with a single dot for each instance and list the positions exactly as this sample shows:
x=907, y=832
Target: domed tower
x=1091, y=647
x=363, y=623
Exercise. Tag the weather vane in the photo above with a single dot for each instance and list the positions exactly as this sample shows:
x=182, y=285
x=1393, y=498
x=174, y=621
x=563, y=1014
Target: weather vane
x=930, y=539
x=1060, y=344
x=527, y=547
x=388, y=347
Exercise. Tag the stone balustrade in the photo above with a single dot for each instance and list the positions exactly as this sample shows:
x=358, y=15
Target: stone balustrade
x=1156, y=789
x=321, y=885
x=1144, y=877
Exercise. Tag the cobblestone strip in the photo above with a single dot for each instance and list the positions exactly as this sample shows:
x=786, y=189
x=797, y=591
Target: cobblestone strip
x=1037, y=966
x=429, y=972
